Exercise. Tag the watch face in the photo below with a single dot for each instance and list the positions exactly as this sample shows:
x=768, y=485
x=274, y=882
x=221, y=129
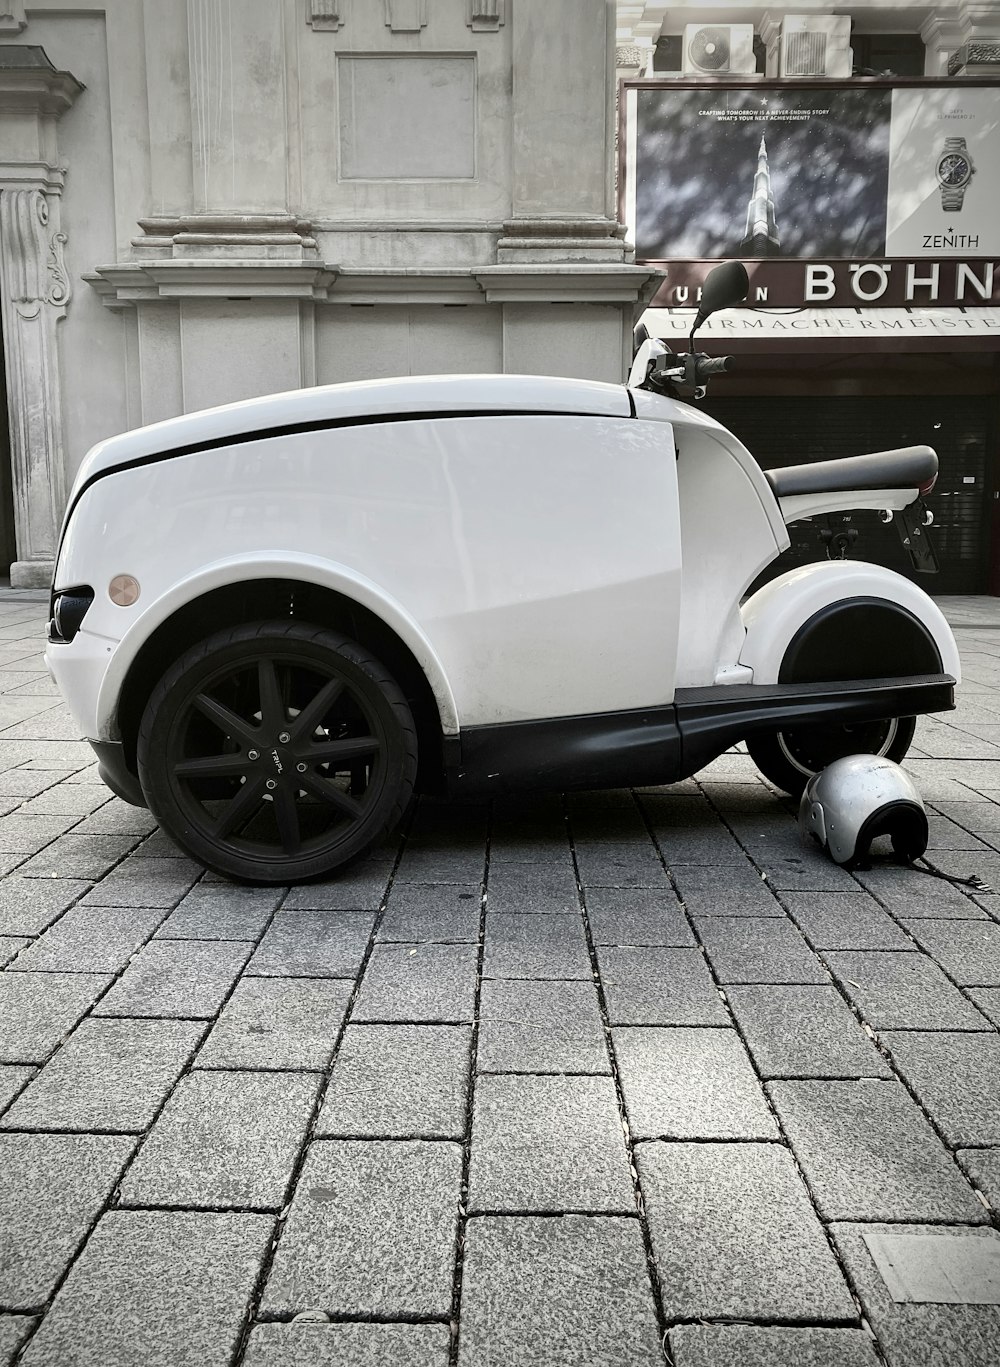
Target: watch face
x=954, y=169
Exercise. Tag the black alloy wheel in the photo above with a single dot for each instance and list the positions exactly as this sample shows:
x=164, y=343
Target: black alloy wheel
x=277, y=752
x=790, y=758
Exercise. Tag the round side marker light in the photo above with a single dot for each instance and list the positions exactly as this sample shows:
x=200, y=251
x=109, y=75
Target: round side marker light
x=123, y=590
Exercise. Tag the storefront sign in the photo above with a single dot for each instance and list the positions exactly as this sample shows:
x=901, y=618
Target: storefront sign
x=845, y=284
x=861, y=194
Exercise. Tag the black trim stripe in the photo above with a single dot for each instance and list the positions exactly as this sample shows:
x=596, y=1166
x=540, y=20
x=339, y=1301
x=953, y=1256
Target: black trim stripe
x=320, y=425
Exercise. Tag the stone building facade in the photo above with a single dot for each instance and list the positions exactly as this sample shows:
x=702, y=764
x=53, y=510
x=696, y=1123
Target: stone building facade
x=205, y=200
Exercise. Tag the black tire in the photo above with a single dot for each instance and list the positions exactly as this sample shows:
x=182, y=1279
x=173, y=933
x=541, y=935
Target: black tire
x=277, y=752
x=790, y=758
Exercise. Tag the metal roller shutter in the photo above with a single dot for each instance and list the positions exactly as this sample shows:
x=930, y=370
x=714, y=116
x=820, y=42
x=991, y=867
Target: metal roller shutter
x=789, y=431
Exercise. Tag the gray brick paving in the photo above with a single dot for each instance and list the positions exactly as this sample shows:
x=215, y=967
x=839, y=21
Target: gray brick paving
x=277, y=1023
x=360, y=888
x=906, y=893
x=444, y=862
x=743, y=950
x=530, y=945
x=38, y=1009
x=14, y=1329
x=607, y=864
x=360, y=1345
x=371, y=1231
x=440, y=912
x=110, y=1075
x=690, y=1084
x=956, y=1077
x=637, y=916
x=144, y=882
x=650, y=986
x=29, y=905
x=939, y=1335
x=689, y=831
x=570, y=1289
x=548, y=1144
x=160, y=1288
x=868, y=1153
x=28, y=834
x=221, y=911
x=399, y=1081
x=313, y=944
x=803, y=1032
x=224, y=1140
x=80, y=856
x=182, y=978
x=12, y=1080
x=845, y=920
x=91, y=940
x=726, y=890
x=221, y=1127
x=52, y=1189
x=10, y=947
x=750, y=1345
x=524, y=887
x=541, y=1027
x=968, y=952
x=418, y=983
x=982, y=1167
x=988, y=1001
x=903, y=992
x=735, y=1236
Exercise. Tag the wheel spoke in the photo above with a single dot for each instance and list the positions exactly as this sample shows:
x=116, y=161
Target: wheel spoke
x=287, y=816
x=272, y=708
x=210, y=766
x=330, y=793
x=226, y=719
x=241, y=808
x=311, y=716
x=334, y=751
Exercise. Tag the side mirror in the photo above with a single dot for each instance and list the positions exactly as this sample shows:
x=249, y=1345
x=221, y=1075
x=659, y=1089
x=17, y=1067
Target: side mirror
x=640, y=334
x=724, y=286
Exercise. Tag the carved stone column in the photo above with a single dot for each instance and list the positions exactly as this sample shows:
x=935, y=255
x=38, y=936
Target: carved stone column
x=34, y=292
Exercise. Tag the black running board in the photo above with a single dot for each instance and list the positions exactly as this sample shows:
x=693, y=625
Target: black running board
x=710, y=720
x=664, y=744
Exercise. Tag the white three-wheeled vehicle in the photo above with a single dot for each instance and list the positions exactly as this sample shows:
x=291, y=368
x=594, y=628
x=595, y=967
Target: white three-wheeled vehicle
x=276, y=619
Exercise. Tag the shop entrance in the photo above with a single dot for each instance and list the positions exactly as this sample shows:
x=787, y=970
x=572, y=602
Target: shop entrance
x=790, y=430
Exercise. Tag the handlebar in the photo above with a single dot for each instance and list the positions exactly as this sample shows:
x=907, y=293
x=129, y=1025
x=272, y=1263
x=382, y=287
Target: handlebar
x=704, y=366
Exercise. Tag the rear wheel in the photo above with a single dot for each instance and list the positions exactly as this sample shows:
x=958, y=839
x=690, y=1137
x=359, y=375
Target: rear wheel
x=790, y=758
x=277, y=752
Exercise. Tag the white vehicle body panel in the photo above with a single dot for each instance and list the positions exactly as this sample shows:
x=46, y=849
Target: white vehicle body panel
x=731, y=528
x=531, y=563
x=776, y=612
x=366, y=399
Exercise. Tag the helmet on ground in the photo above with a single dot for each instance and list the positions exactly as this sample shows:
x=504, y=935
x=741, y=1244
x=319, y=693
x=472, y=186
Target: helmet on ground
x=855, y=800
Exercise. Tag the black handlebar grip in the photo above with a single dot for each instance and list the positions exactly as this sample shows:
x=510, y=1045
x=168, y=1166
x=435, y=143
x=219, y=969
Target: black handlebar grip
x=712, y=365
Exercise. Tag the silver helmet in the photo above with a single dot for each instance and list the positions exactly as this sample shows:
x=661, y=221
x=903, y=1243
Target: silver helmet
x=854, y=800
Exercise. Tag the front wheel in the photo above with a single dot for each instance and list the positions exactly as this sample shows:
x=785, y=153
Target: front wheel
x=790, y=758
x=276, y=752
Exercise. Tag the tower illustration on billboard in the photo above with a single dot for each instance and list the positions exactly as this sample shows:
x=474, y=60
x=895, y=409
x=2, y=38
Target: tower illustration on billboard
x=761, y=236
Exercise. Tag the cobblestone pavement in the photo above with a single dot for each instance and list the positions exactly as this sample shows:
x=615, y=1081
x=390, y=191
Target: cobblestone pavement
x=674, y=1085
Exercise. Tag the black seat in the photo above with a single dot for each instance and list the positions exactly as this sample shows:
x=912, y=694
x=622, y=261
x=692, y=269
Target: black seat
x=911, y=467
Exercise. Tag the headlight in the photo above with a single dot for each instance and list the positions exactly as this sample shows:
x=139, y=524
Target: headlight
x=68, y=611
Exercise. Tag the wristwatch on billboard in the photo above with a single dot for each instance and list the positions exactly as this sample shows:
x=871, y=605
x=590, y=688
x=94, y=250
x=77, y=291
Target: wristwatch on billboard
x=954, y=171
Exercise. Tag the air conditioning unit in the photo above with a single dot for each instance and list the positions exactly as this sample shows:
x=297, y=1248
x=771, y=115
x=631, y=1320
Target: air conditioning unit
x=816, y=45
x=718, y=49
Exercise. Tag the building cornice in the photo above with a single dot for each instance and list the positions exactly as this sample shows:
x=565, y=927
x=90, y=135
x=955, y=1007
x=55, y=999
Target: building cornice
x=132, y=283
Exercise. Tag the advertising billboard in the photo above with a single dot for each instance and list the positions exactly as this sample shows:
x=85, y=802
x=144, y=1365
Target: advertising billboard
x=862, y=193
